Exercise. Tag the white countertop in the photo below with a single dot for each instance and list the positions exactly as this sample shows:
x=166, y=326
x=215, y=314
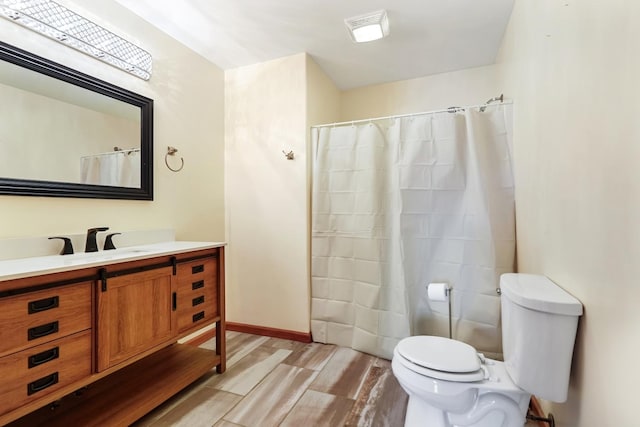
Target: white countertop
x=37, y=266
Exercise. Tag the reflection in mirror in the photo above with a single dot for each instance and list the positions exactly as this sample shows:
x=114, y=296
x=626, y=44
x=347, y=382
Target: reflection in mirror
x=63, y=133
x=76, y=127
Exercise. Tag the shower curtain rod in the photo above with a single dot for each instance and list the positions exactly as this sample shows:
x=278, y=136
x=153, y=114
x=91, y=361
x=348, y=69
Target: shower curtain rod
x=446, y=110
x=126, y=151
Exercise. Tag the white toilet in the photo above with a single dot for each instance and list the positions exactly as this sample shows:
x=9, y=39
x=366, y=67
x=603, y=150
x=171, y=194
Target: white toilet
x=451, y=385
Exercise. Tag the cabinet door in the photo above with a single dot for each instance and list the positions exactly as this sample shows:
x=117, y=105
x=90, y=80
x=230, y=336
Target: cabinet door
x=136, y=312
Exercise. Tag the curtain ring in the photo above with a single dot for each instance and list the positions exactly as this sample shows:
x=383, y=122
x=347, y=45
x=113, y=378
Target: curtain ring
x=171, y=151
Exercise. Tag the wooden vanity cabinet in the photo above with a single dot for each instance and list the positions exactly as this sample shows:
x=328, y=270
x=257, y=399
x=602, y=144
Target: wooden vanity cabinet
x=119, y=329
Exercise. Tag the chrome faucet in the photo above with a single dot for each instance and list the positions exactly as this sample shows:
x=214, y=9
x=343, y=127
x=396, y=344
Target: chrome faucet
x=91, y=244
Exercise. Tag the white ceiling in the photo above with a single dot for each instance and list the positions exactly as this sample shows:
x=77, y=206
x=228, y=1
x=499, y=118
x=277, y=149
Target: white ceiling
x=426, y=37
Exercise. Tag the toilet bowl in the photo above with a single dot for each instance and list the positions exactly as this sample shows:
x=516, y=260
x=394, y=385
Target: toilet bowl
x=451, y=385
x=467, y=390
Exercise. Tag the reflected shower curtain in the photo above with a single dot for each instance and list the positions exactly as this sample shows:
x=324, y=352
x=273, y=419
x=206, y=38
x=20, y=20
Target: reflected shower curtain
x=119, y=169
x=400, y=203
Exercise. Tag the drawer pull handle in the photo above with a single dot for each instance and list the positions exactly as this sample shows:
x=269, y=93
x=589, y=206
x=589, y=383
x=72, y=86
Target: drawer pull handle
x=198, y=316
x=42, y=383
x=42, y=330
x=44, y=357
x=174, y=301
x=43, y=304
x=197, y=301
x=197, y=269
x=197, y=285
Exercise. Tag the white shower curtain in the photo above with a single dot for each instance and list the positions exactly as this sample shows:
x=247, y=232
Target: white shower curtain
x=118, y=168
x=400, y=203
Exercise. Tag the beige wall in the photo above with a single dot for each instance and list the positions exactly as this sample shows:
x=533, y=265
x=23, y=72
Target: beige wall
x=573, y=69
x=466, y=87
x=323, y=97
x=189, y=114
x=266, y=194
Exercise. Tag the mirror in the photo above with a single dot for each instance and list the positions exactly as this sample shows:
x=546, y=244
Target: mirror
x=66, y=134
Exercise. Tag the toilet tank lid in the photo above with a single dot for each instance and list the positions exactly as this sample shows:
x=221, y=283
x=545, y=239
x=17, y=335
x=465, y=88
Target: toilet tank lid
x=537, y=292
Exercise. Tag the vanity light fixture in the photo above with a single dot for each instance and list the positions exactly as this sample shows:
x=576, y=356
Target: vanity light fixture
x=369, y=27
x=59, y=23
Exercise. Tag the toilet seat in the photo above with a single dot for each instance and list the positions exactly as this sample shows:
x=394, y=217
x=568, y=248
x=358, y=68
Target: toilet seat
x=441, y=358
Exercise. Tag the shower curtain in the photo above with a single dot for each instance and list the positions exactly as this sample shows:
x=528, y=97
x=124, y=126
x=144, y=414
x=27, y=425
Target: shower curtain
x=118, y=168
x=403, y=202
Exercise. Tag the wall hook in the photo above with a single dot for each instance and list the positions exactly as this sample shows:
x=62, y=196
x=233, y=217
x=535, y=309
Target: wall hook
x=288, y=155
x=171, y=151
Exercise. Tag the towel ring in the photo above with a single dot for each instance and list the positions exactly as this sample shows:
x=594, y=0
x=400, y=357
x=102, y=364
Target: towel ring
x=171, y=151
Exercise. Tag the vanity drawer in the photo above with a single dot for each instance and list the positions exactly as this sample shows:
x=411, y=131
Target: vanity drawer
x=38, y=317
x=40, y=370
x=197, y=311
x=197, y=278
x=197, y=296
x=196, y=275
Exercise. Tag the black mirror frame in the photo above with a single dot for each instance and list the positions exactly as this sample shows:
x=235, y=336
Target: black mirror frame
x=26, y=187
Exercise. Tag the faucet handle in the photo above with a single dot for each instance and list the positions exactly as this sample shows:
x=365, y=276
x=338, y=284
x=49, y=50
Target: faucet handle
x=108, y=243
x=97, y=229
x=68, y=246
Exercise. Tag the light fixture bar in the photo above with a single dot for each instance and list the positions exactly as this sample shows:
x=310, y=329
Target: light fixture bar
x=67, y=27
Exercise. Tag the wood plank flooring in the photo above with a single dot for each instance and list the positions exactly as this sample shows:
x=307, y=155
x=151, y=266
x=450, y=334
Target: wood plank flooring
x=276, y=382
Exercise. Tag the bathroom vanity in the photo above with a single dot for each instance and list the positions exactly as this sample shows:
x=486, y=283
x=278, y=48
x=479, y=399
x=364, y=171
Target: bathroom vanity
x=105, y=326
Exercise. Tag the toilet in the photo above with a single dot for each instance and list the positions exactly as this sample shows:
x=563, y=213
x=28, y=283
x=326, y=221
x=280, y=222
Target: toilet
x=451, y=385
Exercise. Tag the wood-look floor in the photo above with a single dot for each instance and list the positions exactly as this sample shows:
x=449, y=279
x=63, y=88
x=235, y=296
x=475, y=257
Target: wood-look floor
x=275, y=382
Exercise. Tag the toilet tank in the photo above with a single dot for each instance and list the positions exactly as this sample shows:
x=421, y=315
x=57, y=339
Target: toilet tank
x=539, y=322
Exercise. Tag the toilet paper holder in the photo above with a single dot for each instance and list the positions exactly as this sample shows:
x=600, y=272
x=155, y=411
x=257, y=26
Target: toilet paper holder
x=441, y=292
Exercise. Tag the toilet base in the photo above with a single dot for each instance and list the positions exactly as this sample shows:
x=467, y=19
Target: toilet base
x=494, y=402
x=420, y=414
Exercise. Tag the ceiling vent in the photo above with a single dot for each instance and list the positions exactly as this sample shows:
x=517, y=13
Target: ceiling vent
x=368, y=27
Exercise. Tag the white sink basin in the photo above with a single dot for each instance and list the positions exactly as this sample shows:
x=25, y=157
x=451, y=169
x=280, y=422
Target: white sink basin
x=113, y=254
